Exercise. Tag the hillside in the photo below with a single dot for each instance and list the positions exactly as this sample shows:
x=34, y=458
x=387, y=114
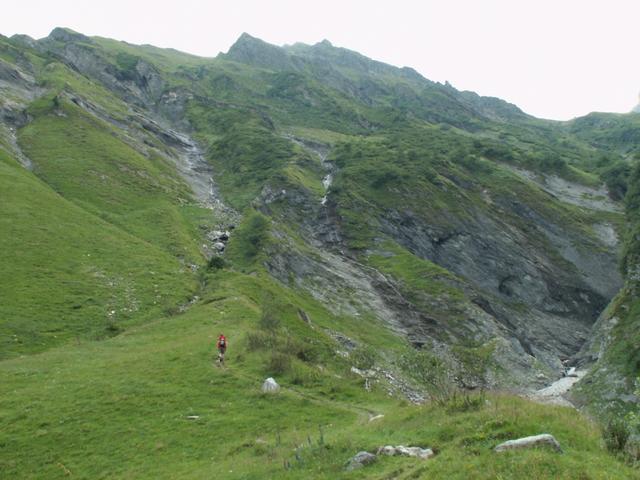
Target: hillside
x=326, y=211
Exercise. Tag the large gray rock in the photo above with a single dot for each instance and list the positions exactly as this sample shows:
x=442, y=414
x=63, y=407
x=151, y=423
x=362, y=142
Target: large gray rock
x=544, y=440
x=360, y=460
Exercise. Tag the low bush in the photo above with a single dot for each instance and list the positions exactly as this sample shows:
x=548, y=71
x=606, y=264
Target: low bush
x=615, y=435
x=216, y=263
x=279, y=363
x=258, y=340
x=363, y=357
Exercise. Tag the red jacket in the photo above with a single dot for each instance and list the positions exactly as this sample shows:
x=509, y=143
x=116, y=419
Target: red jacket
x=222, y=341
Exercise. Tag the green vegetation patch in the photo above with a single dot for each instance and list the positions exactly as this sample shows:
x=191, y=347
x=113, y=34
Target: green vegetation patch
x=67, y=274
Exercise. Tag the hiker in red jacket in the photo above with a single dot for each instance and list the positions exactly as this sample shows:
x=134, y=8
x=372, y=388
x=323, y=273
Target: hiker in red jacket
x=222, y=347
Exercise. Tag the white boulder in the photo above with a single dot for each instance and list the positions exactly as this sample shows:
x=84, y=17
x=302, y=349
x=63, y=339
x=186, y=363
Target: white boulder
x=270, y=386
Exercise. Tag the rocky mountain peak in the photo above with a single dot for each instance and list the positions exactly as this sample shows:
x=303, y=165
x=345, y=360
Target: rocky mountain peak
x=25, y=40
x=253, y=51
x=324, y=43
x=63, y=34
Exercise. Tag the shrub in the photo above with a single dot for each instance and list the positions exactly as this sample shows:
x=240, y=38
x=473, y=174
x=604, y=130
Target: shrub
x=260, y=341
x=269, y=321
x=249, y=238
x=304, y=375
x=473, y=365
x=615, y=435
x=436, y=373
x=112, y=329
x=300, y=349
x=126, y=66
x=464, y=401
x=279, y=363
x=363, y=357
x=216, y=263
x=616, y=176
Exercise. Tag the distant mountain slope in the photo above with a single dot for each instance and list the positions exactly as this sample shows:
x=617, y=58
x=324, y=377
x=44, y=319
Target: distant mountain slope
x=386, y=195
x=367, y=237
x=617, y=132
x=69, y=275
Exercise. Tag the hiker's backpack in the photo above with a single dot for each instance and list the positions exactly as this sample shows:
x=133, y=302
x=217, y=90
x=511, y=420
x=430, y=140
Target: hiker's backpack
x=222, y=342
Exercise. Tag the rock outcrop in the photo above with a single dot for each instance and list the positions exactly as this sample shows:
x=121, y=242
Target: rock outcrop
x=543, y=440
x=359, y=460
x=402, y=451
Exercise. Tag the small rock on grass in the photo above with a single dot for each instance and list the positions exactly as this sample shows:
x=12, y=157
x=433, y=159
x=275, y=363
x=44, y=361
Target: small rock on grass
x=400, y=450
x=528, y=442
x=360, y=460
x=270, y=386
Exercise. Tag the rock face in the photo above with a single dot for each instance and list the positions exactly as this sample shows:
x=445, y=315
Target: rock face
x=543, y=440
x=270, y=386
x=501, y=265
x=138, y=81
x=254, y=51
x=361, y=459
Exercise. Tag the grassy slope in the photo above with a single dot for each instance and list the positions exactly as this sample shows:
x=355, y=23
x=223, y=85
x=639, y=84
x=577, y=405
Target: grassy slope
x=118, y=408
x=100, y=241
x=65, y=270
x=609, y=131
x=84, y=160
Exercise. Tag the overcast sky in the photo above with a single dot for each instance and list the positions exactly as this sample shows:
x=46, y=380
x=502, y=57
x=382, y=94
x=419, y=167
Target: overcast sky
x=553, y=58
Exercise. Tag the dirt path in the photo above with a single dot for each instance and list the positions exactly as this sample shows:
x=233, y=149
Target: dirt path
x=322, y=152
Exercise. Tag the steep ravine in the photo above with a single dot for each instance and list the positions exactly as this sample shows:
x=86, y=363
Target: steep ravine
x=536, y=307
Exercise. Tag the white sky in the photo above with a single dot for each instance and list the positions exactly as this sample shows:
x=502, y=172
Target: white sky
x=553, y=58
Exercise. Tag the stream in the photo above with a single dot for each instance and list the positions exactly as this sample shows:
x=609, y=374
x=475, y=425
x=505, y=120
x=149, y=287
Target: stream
x=554, y=393
x=322, y=152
